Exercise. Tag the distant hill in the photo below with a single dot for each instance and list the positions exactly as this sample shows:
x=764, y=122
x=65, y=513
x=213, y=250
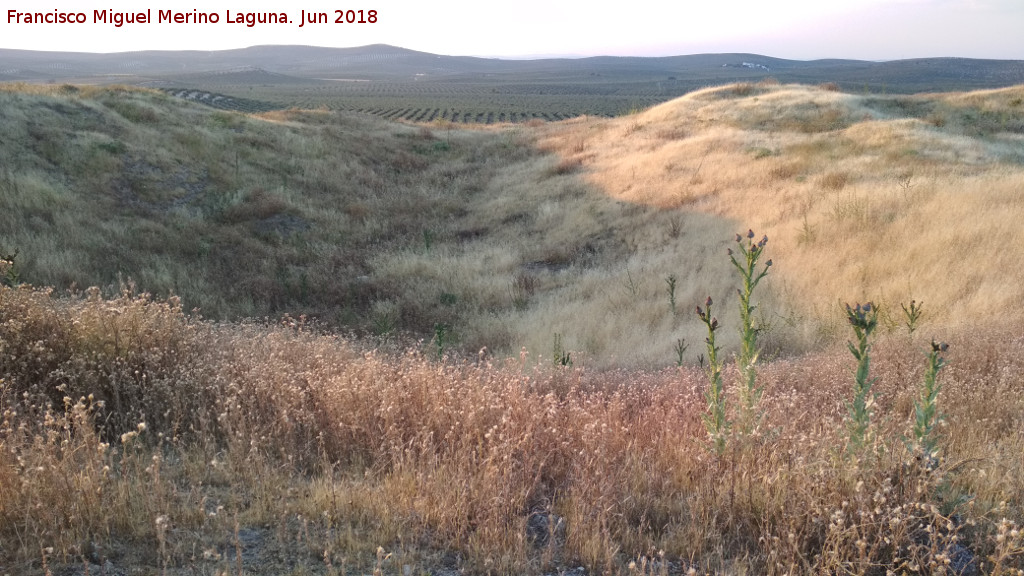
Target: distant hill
x=383, y=62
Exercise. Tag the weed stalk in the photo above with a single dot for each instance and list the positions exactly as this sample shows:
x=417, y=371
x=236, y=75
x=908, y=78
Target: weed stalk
x=9, y=275
x=441, y=334
x=715, y=421
x=926, y=411
x=671, y=281
x=912, y=315
x=559, y=355
x=681, y=347
x=864, y=320
x=750, y=393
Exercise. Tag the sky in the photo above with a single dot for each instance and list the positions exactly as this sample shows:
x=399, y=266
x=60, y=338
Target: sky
x=796, y=29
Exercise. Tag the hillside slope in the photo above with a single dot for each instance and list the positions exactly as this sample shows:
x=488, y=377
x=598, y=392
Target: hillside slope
x=356, y=222
x=549, y=237
x=864, y=198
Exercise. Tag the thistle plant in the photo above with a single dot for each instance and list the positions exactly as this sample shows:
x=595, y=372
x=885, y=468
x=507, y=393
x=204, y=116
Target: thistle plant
x=715, y=421
x=864, y=320
x=926, y=412
x=750, y=393
x=671, y=281
x=912, y=315
x=9, y=275
x=559, y=355
x=441, y=334
x=680, y=348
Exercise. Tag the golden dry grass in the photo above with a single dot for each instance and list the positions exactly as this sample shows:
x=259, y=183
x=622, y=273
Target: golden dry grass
x=863, y=197
x=308, y=444
x=389, y=228
x=133, y=432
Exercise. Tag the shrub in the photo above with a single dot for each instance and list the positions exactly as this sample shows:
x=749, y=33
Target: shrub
x=834, y=180
x=9, y=275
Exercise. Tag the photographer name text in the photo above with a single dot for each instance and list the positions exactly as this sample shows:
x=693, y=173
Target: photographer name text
x=150, y=16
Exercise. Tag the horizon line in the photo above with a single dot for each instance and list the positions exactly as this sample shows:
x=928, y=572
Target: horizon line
x=519, y=58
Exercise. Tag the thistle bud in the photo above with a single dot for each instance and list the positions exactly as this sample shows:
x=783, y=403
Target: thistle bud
x=714, y=323
x=768, y=263
x=728, y=251
x=708, y=302
x=739, y=238
x=750, y=234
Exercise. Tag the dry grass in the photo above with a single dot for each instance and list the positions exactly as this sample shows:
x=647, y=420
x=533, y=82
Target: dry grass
x=307, y=445
x=902, y=207
x=389, y=228
x=353, y=222
x=133, y=432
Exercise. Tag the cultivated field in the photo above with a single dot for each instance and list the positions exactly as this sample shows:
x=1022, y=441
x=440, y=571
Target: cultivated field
x=478, y=350
x=461, y=103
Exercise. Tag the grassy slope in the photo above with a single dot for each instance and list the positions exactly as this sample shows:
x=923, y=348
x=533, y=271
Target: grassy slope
x=308, y=451
x=353, y=221
x=243, y=216
x=863, y=198
x=512, y=235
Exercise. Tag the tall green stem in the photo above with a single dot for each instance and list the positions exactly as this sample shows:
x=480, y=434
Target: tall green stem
x=750, y=393
x=864, y=319
x=926, y=408
x=715, y=421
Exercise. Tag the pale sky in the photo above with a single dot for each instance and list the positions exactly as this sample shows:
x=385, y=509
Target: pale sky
x=797, y=29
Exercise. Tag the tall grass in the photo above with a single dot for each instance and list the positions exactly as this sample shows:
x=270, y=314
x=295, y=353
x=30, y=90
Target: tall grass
x=380, y=228
x=319, y=445
x=136, y=433
x=833, y=193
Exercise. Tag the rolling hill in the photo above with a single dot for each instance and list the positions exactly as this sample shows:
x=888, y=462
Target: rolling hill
x=516, y=235
x=324, y=343
x=382, y=62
